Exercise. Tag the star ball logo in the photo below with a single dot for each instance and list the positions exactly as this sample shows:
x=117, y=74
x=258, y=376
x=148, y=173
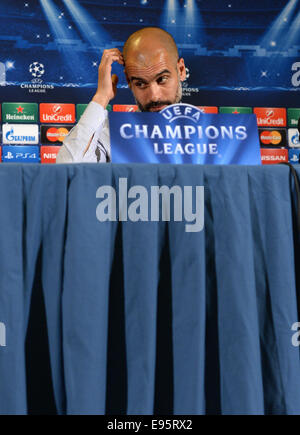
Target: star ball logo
x=37, y=69
x=187, y=91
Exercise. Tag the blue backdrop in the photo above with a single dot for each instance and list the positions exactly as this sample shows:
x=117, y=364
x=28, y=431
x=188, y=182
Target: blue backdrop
x=237, y=53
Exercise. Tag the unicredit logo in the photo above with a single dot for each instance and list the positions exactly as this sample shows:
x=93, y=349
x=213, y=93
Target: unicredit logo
x=269, y=121
x=125, y=108
x=57, y=113
x=57, y=108
x=56, y=118
x=269, y=117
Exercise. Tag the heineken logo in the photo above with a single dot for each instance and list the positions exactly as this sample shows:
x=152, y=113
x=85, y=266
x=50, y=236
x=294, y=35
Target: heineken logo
x=20, y=112
x=293, y=117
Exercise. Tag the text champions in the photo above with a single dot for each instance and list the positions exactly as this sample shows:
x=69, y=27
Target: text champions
x=186, y=139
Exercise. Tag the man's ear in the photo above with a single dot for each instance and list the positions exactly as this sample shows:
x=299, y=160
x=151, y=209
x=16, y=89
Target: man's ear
x=181, y=69
x=127, y=78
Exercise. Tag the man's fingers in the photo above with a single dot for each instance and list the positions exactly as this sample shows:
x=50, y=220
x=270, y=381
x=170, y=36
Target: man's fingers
x=112, y=56
x=112, y=50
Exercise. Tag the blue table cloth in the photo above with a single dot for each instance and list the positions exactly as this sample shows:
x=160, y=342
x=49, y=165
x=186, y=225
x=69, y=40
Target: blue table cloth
x=145, y=317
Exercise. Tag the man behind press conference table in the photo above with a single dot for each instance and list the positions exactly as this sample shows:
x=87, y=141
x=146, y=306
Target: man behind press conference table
x=154, y=73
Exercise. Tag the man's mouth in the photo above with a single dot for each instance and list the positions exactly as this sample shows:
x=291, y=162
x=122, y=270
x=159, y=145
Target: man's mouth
x=157, y=108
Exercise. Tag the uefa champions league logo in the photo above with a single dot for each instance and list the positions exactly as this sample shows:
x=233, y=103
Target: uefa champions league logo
x=181, y=110
x=36, y=69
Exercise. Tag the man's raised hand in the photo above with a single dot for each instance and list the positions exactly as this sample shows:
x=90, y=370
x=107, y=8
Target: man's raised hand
x=107, y=83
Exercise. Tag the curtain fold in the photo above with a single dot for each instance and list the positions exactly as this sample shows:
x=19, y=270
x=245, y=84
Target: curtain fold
x=229, y=292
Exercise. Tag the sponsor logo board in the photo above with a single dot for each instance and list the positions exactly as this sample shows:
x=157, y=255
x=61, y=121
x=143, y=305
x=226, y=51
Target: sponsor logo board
x=49, y=153
x=235, y=110
x=125, y=108
x=20, y=154
x=20, y=134
x=294, y=156
x=51, y=134
x=294, y=141
x=20, y=112
x=208, y=109
x=270, y=116
x=57, y=113
x=271, y=156
x=272, y=137
x=293, y=117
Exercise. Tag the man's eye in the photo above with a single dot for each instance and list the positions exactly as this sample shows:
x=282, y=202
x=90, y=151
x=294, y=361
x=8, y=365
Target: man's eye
x=140, y=84
x=162, y=79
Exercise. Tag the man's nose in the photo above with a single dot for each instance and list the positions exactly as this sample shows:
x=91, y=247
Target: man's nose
x=155, y=92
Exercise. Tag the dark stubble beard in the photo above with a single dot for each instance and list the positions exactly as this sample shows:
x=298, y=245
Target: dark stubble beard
x=154, y=104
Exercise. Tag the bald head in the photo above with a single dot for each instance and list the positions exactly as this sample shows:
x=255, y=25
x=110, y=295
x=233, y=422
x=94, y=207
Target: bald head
x=153, y=69
x=149, y=40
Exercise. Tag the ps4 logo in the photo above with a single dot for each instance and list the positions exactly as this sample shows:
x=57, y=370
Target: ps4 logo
x=2, y=334
x=9, y=155
x=295, y=158
x=296, y=75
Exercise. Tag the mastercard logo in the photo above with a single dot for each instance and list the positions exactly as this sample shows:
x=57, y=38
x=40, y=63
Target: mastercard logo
x=273, y=137
x=56, y=134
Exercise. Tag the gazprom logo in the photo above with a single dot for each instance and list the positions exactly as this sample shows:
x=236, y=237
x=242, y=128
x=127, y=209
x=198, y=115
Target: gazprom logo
x=181, y=110
x=9, y=134
x=2, y=334
x=20, y=133
x=296, y=139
